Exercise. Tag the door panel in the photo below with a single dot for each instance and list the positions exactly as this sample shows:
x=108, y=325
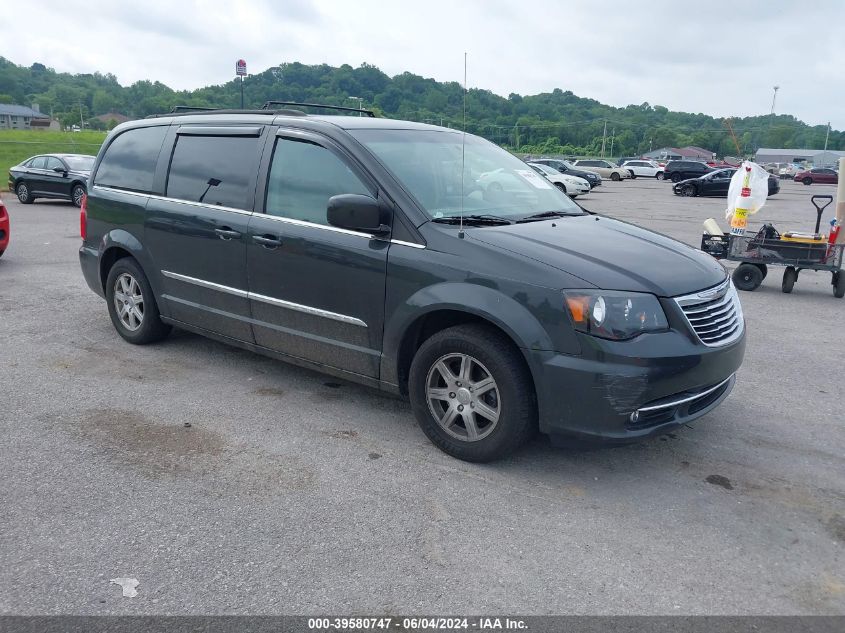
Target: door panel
x=197, y=232
x=319, y=295
x=55, y=183
x=201, y=253
x=316, y=292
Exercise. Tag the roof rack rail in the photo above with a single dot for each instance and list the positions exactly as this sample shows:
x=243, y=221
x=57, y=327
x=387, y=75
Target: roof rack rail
x=269, y=104
x=182, y=108
x=189, y=111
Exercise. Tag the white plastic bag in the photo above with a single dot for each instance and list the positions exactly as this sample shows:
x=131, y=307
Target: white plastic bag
x=758, y=182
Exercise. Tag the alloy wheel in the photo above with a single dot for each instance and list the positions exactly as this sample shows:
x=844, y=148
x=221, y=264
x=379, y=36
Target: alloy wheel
x=129, y=302
x=463, y=397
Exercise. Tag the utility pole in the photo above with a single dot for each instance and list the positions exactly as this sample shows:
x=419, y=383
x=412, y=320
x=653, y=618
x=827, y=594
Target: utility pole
x=612, y=138
x=827, y=136
x=81, y=122
x=603, y=138
x=516, y=136
x=774, y=97
x=361, y=105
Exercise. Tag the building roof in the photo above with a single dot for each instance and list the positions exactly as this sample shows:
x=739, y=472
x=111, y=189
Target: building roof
x=19, y=110
x=698, y=150
x=766, y=151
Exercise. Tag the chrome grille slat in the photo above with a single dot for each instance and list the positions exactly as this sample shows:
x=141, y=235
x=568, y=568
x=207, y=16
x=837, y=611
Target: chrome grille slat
x=720, y=326
x=714, y=315
x=712, y=318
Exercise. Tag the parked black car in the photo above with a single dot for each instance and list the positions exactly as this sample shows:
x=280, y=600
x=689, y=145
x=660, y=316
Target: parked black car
x=566, y=167
x=716, y=183
x=360, y=247
x=678, y=170
x=58, y=176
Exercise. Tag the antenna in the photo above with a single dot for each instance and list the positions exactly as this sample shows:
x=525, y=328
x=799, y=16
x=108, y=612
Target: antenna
x=463, y=149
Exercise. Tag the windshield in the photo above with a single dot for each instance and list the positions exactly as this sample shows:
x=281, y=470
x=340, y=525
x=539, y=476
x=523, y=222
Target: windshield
x=428, y=164
x=80, y=163
x=545, y=169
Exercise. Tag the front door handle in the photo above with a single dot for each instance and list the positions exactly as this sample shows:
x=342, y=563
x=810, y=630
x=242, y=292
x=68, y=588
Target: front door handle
x=267, y=241
x=226, y=233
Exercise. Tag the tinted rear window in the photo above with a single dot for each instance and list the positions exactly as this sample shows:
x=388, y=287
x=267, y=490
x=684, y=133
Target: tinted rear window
x=218, y=170
x=130, y=160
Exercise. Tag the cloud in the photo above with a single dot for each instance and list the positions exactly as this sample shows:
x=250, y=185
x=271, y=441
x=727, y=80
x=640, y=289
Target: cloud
x=722, y=60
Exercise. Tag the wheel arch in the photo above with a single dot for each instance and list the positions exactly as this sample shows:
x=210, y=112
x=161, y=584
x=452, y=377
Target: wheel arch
x=448, y=305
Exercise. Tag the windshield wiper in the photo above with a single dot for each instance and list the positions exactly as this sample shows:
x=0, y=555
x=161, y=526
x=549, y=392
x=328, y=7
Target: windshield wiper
x=546, y=214
x=493, y=220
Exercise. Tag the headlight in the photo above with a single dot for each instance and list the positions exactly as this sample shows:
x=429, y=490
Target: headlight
x=615, y=315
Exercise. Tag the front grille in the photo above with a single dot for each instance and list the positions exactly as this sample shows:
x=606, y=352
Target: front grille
x=715, y=315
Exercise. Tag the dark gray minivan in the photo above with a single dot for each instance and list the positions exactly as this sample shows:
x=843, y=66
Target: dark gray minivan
x=414, y=259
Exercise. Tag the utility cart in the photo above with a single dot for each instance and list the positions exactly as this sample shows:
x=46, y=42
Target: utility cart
x=795, y=251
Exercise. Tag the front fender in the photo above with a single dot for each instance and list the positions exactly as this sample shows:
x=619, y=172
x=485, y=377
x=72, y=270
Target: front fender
x=513, y=312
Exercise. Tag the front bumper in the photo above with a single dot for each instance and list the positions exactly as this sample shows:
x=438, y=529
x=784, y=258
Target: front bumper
x=620, y=391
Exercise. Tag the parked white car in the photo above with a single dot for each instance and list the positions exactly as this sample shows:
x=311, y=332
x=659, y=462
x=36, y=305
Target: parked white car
x=603, y=168
x=644, y=168
x=572, y=186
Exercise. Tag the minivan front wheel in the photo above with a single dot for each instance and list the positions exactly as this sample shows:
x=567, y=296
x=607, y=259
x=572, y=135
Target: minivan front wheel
x=472, y=394
x=132, y=306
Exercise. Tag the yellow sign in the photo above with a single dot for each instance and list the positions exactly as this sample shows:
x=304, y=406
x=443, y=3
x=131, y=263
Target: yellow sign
x=739, y=221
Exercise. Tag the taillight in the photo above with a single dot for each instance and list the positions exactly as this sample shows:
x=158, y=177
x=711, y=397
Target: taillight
x=83, y=217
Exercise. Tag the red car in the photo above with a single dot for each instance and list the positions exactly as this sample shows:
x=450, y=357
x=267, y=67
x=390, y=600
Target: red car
x=4, y=228
x=818, y=175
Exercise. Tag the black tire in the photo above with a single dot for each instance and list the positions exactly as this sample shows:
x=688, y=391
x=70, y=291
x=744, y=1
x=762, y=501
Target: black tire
x=676, y=177
x=513, y=394
x=659, y=176
x=838, y=284
x=77, y=193
x=807, y=181
x=561, y=186
x=763, y=269
x=688, y=191
x=747, y=277
x=22, y=191
x=151, y=328
x=633, y=175
x=1, y=253
x=790, y=276
x=615, y=177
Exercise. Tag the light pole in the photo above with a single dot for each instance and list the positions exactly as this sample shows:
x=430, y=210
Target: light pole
x=360, y=104
x=774, y=97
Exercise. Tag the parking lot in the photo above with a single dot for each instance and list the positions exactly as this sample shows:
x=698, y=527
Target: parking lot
x=226, y=482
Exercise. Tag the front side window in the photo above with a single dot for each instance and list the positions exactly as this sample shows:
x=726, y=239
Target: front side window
x=217, y=170
x=493, y=181
x=38, y=162
x=53, y=163
x=303, y=176
x=130, y=160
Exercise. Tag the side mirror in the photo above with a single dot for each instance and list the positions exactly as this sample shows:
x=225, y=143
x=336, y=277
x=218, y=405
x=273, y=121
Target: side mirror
x=355, y=212
x=60, y=170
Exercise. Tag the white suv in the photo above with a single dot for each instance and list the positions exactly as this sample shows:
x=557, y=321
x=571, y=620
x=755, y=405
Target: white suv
x=644, y=168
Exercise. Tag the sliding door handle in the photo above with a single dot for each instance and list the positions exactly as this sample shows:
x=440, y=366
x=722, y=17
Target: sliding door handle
x=267, y=241
x=226, y=233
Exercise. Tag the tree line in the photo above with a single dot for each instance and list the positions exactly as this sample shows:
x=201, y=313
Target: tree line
x=558, y=122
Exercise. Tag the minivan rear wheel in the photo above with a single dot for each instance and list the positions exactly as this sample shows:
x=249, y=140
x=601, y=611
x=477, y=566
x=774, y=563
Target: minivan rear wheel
x=132, y=306
x=472, y=394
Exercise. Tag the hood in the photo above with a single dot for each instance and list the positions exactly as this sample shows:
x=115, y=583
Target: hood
x=609, y=254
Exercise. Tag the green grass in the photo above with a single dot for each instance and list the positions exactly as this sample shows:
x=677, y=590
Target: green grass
x=18, y=145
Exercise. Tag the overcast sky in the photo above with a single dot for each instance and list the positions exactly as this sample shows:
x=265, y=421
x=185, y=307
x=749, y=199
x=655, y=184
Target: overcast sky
x=717, y=58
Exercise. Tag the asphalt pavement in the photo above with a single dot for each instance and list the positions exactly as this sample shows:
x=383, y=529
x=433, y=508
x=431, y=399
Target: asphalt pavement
x=226, y=482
